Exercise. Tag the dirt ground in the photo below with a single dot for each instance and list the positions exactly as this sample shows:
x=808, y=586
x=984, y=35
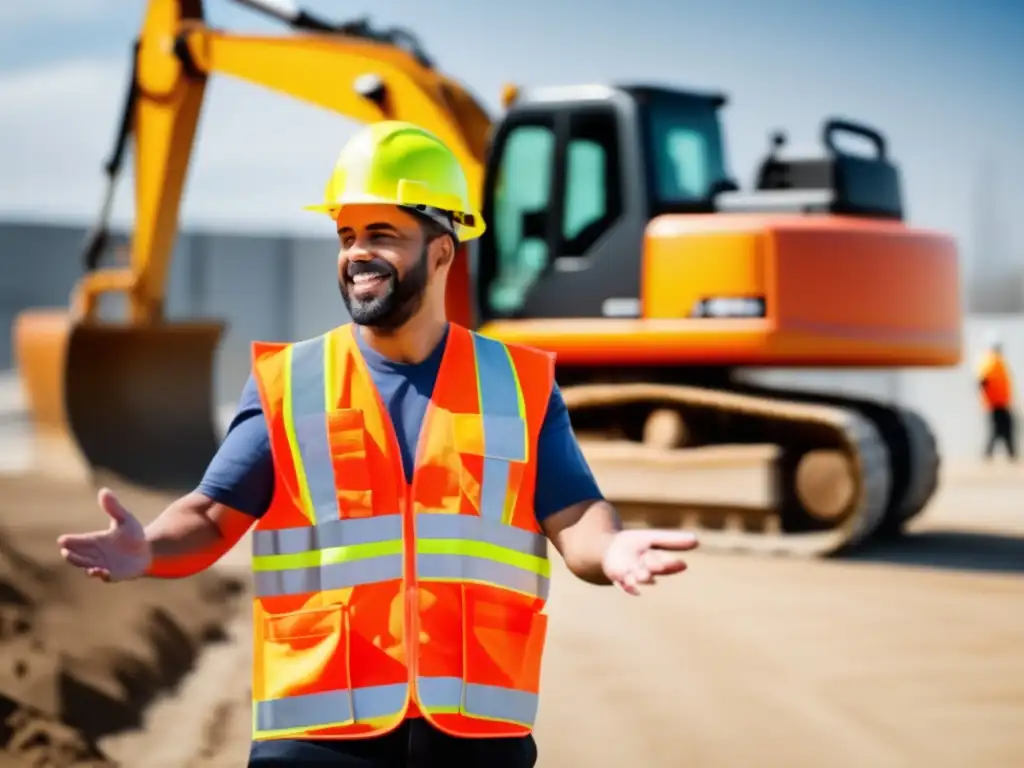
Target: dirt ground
x=906, y=655
x=80, y=660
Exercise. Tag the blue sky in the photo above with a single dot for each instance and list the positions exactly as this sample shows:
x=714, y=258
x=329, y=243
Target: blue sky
x=942, y=78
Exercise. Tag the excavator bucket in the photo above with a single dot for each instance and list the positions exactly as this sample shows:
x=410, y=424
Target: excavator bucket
x=132, y=402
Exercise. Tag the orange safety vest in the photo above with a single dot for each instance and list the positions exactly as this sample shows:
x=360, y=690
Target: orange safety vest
x=997, y=388
x=377, y=600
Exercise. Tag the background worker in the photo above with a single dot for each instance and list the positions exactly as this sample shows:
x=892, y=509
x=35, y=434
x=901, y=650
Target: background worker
x=997, y=393
x=396, y=247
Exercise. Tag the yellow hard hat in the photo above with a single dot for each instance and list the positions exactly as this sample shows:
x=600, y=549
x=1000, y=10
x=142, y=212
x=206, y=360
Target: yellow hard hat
x=398, y=163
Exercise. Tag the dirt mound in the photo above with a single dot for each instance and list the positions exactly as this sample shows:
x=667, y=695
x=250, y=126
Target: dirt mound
x=79, y=659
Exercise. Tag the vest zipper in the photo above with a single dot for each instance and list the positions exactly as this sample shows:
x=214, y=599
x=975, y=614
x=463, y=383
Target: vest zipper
x=412, y=628
x=411, y=594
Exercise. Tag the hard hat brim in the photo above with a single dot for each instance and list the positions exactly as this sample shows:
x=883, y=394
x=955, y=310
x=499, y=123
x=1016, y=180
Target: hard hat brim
x=463, y=231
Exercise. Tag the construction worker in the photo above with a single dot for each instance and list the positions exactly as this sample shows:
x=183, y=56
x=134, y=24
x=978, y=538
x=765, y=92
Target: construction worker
x=997, y=393
x=403, y=476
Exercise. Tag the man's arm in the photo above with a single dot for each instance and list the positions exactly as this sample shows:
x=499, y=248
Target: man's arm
x=984, y=370
x=569, y=505
x=582, y=534
x=199, y=528
x=192, y=534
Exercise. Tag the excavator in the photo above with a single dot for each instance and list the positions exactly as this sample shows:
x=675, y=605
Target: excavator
x=616, y=239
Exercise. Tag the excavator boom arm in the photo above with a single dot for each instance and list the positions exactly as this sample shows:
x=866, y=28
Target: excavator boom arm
x=364, y=79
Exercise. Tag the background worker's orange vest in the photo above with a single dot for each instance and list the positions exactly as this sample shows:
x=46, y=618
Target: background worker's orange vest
x=377, y=600
x=997, y=389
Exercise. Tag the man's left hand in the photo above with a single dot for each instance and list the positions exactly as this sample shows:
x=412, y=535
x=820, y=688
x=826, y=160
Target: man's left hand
x=638, y=556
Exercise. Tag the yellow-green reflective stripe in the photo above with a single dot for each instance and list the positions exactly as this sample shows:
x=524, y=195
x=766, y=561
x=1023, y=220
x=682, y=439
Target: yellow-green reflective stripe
x=484, y=551
x=504, y=427
x=382, y=528
x=329, y=708
x=329, y=556
x=444, y=525
x=461, y=560
x=289, y=429
x=301, y=571
x=368, y=550
x=333, y=533
x=307, y=415
x=487, y=702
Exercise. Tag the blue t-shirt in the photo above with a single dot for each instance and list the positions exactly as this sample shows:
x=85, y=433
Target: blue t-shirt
x=241, y=474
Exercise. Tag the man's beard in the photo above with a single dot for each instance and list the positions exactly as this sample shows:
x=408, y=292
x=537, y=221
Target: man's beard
x=398, y=300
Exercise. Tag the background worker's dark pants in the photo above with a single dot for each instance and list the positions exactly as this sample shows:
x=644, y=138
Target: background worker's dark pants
x=414, y=744
x=1001, y=429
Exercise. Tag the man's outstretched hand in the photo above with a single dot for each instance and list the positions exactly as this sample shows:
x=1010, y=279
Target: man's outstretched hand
x=119, y=553
x=638, y=556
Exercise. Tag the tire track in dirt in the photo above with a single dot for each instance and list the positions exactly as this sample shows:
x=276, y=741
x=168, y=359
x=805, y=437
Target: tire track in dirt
x=193, y=726
x=82, y=660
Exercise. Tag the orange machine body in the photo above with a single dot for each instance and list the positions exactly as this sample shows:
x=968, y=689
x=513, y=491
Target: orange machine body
x=837, y=291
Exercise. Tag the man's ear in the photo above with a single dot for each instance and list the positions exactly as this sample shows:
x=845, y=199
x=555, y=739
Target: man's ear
x=443, y=249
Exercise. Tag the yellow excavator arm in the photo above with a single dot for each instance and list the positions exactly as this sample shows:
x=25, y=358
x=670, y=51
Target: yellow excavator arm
x=350, y=69
x=134, y=399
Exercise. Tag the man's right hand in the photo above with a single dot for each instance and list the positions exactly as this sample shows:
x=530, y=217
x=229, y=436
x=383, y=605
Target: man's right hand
x=119, y=553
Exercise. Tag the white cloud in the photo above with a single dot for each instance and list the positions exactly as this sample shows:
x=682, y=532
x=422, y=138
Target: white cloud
x=258, y=158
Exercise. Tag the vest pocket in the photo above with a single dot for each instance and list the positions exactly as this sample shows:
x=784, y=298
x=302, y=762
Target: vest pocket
x=304, y=652
x=503, y=642
x=493, y=454
x=347, y=441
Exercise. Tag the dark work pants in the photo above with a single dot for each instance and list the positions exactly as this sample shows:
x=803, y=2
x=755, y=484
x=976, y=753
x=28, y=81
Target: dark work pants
x=1001, y=430
x=414, y=744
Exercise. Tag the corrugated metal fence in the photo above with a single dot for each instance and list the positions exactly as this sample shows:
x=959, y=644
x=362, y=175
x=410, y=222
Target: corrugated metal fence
x=270, y=288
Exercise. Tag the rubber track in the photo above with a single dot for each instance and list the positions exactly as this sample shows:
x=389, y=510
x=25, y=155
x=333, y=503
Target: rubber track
x=925, y=466
x=924, y=462
x=859, y=438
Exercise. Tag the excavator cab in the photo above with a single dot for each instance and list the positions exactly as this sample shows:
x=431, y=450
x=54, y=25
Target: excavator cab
x=573, y=178
x=576, y=174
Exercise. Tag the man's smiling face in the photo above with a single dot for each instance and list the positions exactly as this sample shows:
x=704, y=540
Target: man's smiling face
x=383, y=264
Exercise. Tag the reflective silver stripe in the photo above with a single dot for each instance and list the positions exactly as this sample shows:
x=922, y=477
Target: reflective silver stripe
x=469, y=568
x=351, y=573
x=332, y=533
x=503, y=425
x=309, y=414
x=441, y=525
x=505, y=436
x=489, y=701
x=318, y=710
